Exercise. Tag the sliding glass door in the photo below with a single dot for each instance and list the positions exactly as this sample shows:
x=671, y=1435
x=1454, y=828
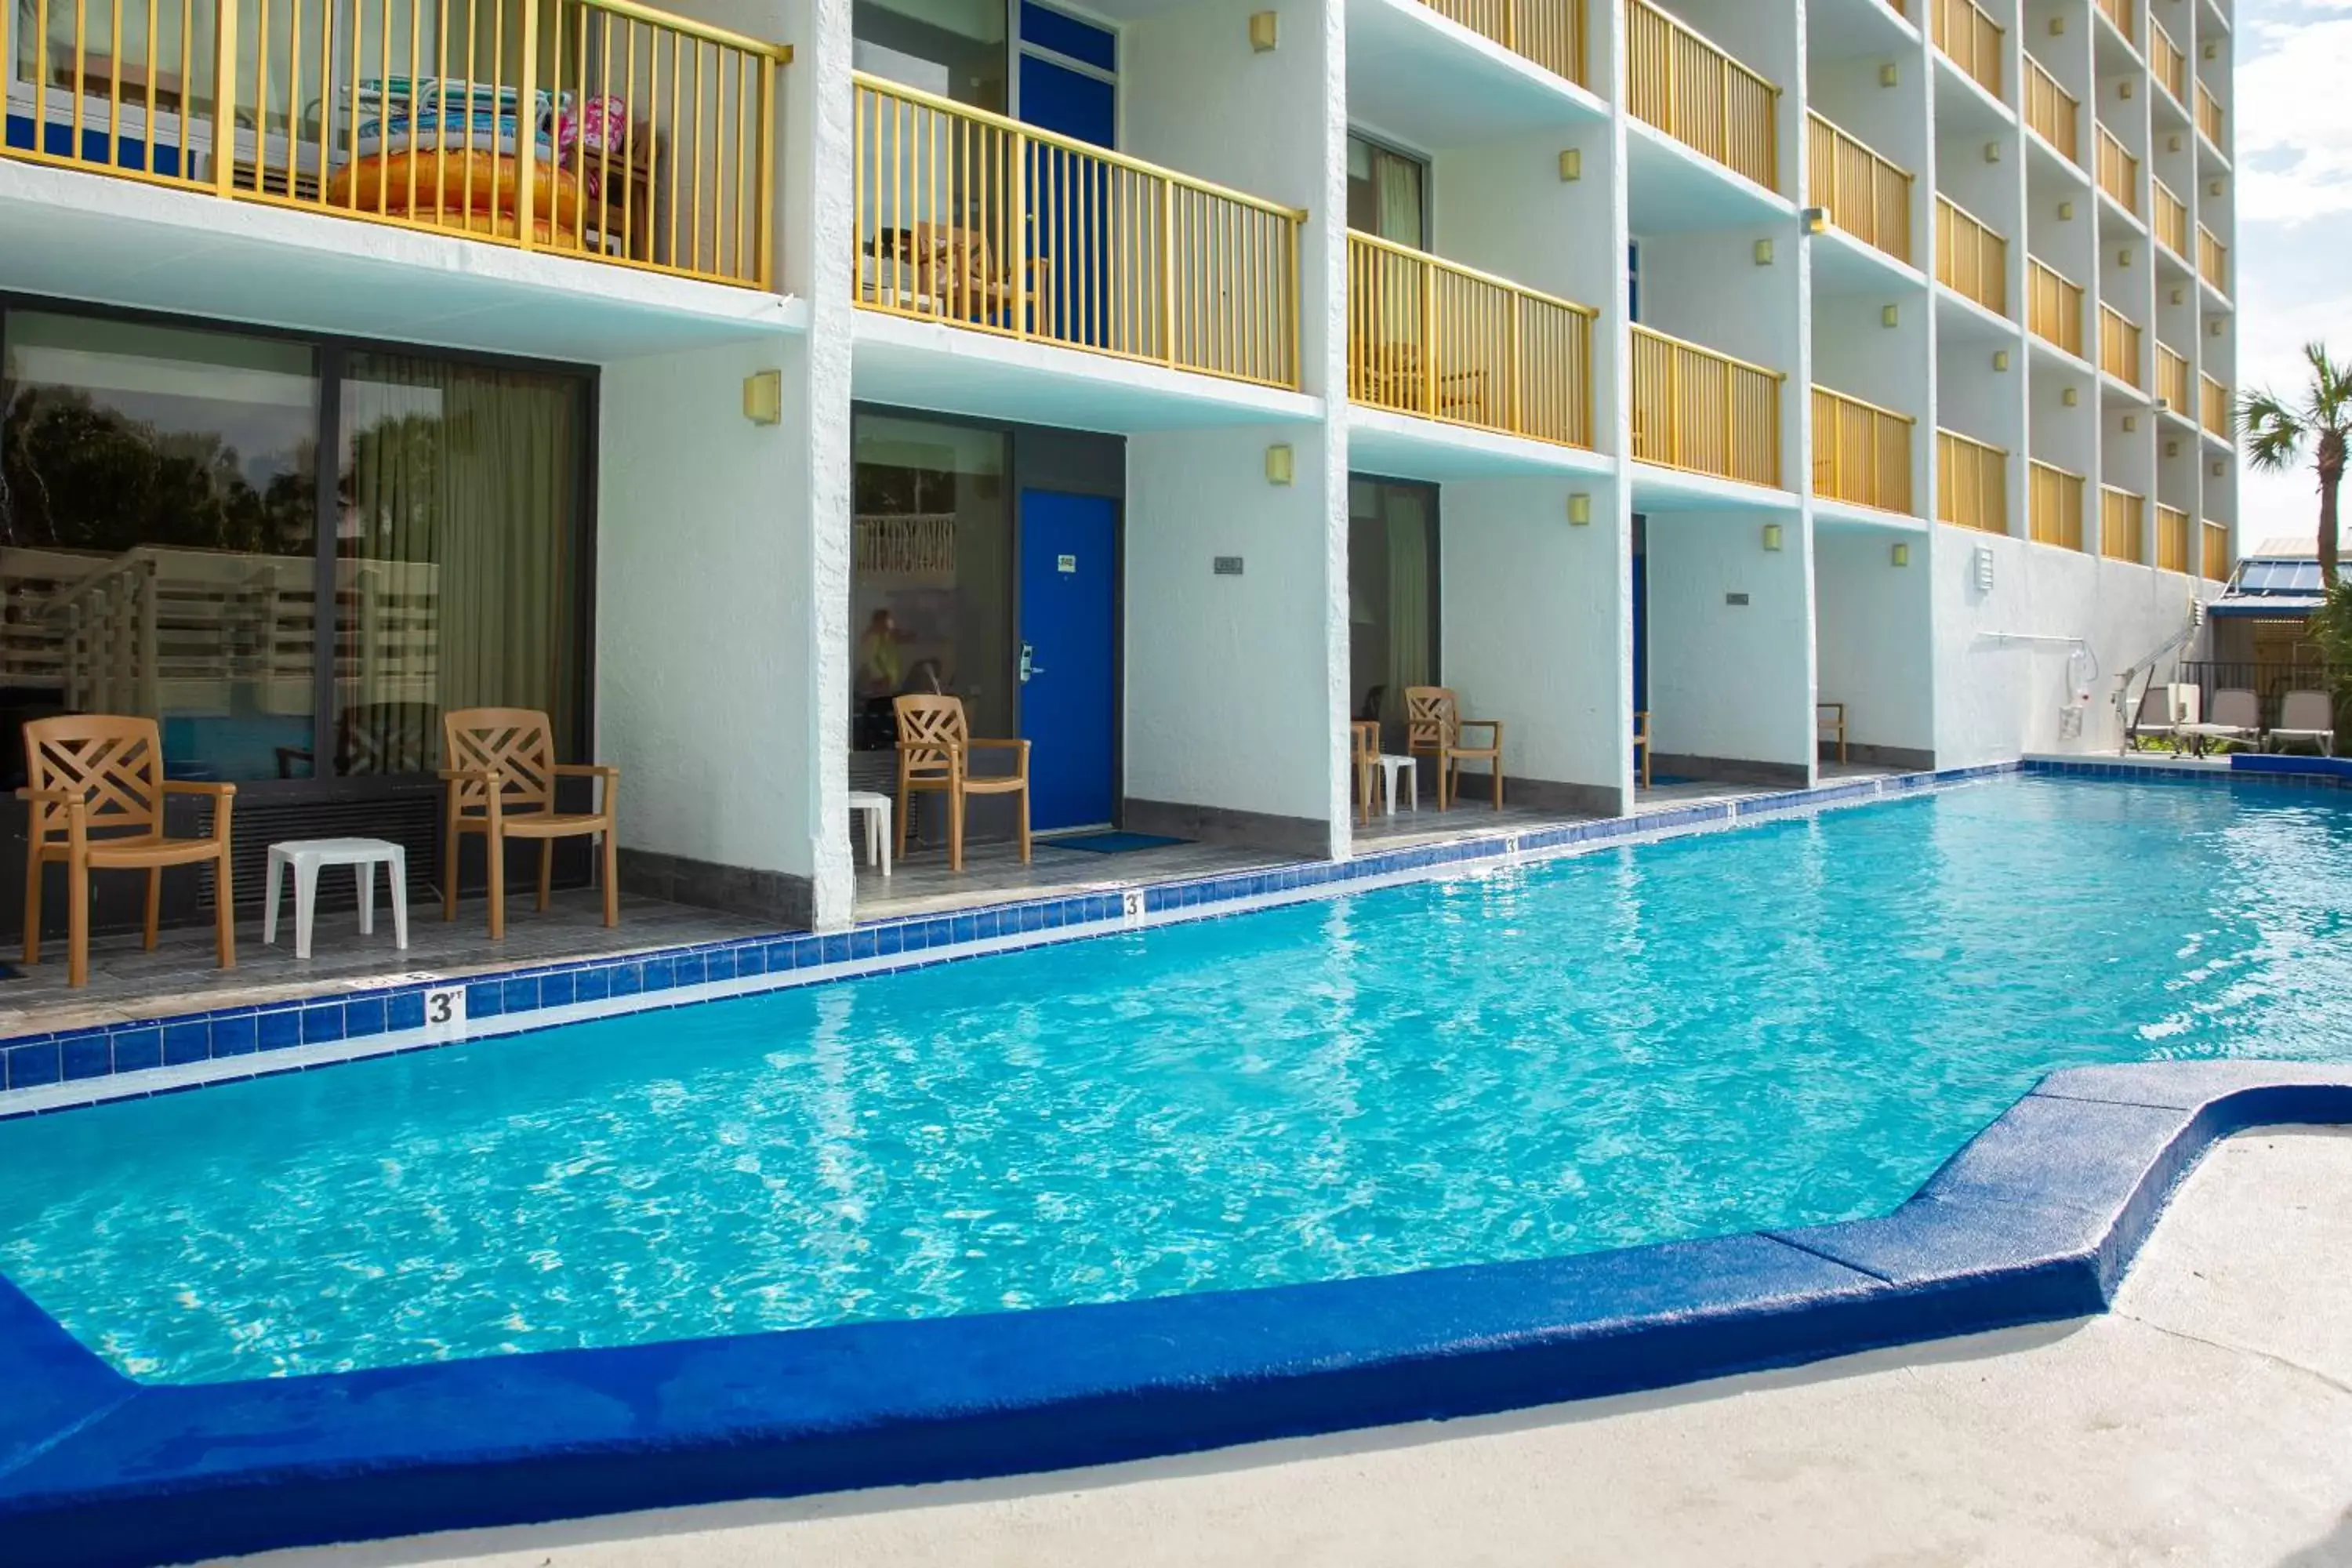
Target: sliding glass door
x=1392, y=603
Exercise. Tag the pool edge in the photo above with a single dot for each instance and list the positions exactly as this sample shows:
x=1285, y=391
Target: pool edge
x=2036, y=1219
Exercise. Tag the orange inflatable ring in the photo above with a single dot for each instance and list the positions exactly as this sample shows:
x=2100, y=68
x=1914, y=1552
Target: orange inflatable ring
x=451, y=185
x=505, y=226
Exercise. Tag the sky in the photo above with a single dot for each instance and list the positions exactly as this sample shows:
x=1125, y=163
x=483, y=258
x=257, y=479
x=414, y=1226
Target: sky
x=2294, y=255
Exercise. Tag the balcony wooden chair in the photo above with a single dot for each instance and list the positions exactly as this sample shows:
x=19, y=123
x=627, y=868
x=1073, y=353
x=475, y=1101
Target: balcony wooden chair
x=1434, y=728
x=95, y=791
x=499, y=771
x=1364, y=745
x=1829, y=724
x=935, y=747
x=1642, y=742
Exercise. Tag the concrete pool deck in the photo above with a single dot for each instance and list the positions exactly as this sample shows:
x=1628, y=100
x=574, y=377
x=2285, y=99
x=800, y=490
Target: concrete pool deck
x=2202, y=1420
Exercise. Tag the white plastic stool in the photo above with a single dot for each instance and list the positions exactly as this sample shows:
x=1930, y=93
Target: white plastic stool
x=875, y=812
x=306, y=855
x=1389, y=768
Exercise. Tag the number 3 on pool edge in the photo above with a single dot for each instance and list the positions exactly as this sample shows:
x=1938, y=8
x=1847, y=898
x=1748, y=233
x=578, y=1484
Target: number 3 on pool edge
x=445, y=1010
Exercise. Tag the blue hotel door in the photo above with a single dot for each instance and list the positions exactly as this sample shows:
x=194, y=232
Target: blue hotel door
x=1069, y=706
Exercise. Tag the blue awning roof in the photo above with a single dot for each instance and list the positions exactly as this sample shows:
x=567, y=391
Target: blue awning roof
x=2275, y=606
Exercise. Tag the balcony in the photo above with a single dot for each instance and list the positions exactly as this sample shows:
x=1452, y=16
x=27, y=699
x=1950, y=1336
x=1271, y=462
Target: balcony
x=1862, y=453
x=2172, y=535
x=1682, y=84
x=2119, y=12
x=2213, y=411
x=2209, y=114
x=596, y=129
x=1972, y=483
x=1866, y=195
x=2171, y=218
x=2118, y=173
x=2168, y=64
x=2120, y=346
x=1971, y=260
x=2052, y=111
x=1548, y=32
x=2123, y=519
x=2172, y=382
x=980, y=222
x=1428, y=337
x=2215, y=566
x=1972, y=39
x=2053, y=306
x=2053, y=503
x=1704, y=412
x=2212, y=259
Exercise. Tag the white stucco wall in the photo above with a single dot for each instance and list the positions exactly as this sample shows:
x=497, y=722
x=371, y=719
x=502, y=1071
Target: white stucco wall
x=1869, y=652
x=1725, y=681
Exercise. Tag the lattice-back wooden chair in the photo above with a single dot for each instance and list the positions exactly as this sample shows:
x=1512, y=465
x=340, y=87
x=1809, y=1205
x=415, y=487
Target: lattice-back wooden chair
x=1434, y=728
x=1642, y=742
x=500, y=769
x=935, y=747
x=95, y=791
x=1364, y=749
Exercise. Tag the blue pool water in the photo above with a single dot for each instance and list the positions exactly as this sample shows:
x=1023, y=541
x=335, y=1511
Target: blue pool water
x=1791, y=1023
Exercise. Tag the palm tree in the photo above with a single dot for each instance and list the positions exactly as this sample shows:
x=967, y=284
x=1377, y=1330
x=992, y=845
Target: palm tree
x=2277, y=432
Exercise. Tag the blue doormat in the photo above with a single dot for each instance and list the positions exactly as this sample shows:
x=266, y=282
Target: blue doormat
x=1111, y=843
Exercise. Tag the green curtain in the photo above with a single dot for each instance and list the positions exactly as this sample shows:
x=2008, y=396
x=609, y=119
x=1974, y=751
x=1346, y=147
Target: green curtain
x=1412, y=596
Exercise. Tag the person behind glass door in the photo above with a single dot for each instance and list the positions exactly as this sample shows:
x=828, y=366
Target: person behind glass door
x=881, y=669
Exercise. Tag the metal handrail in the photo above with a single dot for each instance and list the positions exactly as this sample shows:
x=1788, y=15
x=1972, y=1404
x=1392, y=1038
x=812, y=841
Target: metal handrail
x=1653, y=95
x=2051, y=110
x=1885, y=220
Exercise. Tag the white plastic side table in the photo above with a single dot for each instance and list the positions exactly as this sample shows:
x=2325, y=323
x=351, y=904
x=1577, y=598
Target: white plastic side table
x=874, y=811
x=1389, y=768
x=363, y=855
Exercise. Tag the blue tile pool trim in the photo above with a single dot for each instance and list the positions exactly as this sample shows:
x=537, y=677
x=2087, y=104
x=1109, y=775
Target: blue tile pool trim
x=2035, y=1220
x=232, y=1043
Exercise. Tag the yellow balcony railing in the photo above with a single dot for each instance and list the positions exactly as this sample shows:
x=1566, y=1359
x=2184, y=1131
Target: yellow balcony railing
x=2118, y=173
x=1705, y=412
x=973, y=219
x=1862, y=453
x=1972, y=483
x=2054, y=306
x=1867, y=195
x=1548, y=32
x=2119, y=345
x=2213, y=258
x=2209, y=114
x=1428, y=337
x=1971, y=260
x=2215, y=566
x=2123, y=523
x=2052, y=111
x=2171, y=218
x=2053, y=505
x=2172, y=531
x=2214, y=409
x=598, y=129
x=1972, y=38
x=1700, y=96
x=2172, y=381
x=2119, y=12
x=2168, y=64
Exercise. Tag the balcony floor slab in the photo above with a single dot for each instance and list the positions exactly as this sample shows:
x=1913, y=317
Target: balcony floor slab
x=1408, y=447
x=1437, y=84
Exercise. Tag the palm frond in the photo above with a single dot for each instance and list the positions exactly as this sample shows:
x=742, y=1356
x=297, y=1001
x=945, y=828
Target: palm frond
x=2274, y=433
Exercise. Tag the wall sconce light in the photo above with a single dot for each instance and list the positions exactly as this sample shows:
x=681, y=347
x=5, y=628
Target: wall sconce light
x=1580, y=510
x=1772, y=536
x=1763, y=253
x=1890, y=316
x=2213, y=50
x=1277, y=464
x=1902, y=555
x=2181, y=296
x=2213, y=328
x=1984, y=568
x=1993, y=152
x=2213, y=187
x=2123, y=257
x=1571, y=165
x=2057, y=26
x=1264, y=31
x=2220, y=468
x=2000, y=359
x=2070, y=396
x=1890, y=74
x=2123, y=89
x=2131, y=423
x=2065, y=212
x=1814, y=220
x=764, y=398
x=2172, y=142
x=2172, y=449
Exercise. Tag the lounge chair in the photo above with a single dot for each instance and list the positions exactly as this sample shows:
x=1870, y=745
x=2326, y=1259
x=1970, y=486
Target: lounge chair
x=1434, y=728
x=2308, y=718
x=2236, y=716
x=94, y=795
x=499, y=770
x=935, y=747
x=2156, y=716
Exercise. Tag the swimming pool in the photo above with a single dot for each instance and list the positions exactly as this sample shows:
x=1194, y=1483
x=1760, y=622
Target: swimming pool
x=1790, y=1023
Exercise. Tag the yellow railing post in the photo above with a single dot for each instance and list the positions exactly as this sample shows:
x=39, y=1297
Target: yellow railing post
x=1168, y=270
x=1429, y=349
x=766, y=259
x=1020, y=237
x=1519, y=366
x=224, y=99
x=526, y=142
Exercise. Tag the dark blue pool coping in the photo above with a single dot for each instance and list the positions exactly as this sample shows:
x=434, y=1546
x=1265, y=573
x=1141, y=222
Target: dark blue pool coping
x=2035, y=1220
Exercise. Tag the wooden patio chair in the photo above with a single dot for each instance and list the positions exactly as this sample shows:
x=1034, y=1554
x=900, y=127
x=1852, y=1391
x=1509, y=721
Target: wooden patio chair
x=935, y=747
x=500, y=769
x=95, y=791
x=1829, y=724
x=1642, y=742
x=1364, y=743
x=1434, y=726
